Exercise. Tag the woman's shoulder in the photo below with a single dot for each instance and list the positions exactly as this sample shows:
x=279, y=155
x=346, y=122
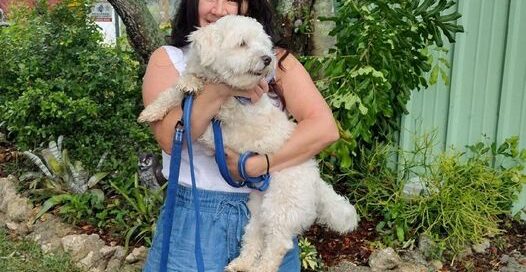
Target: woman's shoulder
x=288, y=63
x=167, y=56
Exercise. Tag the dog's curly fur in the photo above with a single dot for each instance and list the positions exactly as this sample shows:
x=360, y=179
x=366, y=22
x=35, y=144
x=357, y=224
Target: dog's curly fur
x=233, y=51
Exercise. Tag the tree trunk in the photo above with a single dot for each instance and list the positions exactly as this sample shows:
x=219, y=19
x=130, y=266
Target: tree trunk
x=143, y=32
x=294, y=23
x=321, y=40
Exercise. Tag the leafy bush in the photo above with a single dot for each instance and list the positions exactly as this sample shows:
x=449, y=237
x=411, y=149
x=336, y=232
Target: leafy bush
x=134, y=211
x=378, y=60
x=454, y=198
x=57, y=78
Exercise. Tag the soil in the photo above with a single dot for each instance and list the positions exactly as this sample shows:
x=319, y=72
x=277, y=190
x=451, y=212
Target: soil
x=357, y=246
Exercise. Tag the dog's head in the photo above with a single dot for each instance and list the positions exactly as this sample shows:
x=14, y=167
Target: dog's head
x=236, y=49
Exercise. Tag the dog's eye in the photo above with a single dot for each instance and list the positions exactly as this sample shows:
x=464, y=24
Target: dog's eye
x=243, y=44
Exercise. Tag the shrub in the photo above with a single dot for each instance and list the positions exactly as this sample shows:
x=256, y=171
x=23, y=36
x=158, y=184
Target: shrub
x=456, y=198
x=57, y=78
x=379, y=58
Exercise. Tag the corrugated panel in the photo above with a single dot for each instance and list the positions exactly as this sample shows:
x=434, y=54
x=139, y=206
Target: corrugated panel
x=477, y=71
x=428, y=111
x=487, y=95
x=512, y=114
x=469, y=108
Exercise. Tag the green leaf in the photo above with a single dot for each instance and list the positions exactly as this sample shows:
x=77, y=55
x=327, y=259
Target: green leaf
x=93, y=180
x=50, y=203
x=434, y=75
x=38, y=162
x=99, y=195
x=400, y=234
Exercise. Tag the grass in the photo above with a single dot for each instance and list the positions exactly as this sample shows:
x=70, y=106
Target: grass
x=26, y=256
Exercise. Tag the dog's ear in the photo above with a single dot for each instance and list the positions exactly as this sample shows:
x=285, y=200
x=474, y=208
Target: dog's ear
x=205, y=41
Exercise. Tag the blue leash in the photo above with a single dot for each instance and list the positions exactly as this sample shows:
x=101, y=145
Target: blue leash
x=181, y=129
x=260, y=183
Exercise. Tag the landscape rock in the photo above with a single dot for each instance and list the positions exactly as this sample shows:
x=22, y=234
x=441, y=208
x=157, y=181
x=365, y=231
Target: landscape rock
x=14, y=207
x=385, y=259
x=116, y=259
x=346, y=266
x=48, y=233
x=136, y=255
x=80, y=246
x=482, y=246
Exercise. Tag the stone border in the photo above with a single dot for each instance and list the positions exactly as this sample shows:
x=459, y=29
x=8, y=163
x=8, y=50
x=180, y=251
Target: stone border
x=89, y=252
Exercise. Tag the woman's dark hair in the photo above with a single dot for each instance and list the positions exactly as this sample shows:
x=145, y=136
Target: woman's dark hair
x=187, y=20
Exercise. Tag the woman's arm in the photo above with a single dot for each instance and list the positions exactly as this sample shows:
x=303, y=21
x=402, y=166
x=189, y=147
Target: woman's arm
x=316, y=127
x=160, y=75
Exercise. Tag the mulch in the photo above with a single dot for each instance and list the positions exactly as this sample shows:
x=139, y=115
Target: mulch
x=356, y=247
x=334, y=248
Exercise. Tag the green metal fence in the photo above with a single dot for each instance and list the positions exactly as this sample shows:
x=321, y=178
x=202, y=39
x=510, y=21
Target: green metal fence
x=486, y=95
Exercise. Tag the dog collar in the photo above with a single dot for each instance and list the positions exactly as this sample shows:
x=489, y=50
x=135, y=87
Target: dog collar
x=243, y=100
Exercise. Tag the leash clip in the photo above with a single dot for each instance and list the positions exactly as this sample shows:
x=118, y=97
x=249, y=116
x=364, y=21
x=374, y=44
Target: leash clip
x=179, y=131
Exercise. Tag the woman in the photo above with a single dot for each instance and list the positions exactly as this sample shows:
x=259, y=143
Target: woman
x=223, y=208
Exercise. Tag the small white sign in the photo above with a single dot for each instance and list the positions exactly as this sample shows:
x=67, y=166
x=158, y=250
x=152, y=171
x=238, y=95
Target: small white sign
x=104, y=16
x=102, y=12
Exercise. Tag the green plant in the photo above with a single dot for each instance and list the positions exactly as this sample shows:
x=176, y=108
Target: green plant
x=61, y=180
x=460, y=199
x=136, y=210
x=310, y=260
x=379, y=58
x=57, y=78
x=59, y=174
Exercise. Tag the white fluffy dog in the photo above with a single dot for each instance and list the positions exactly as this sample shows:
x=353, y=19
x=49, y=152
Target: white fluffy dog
x=236, y=50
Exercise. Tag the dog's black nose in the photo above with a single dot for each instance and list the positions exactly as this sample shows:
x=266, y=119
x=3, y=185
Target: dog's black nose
x=266, y=60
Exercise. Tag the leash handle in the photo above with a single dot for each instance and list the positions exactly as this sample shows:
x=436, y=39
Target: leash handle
x=220, y=155
x=260, y=183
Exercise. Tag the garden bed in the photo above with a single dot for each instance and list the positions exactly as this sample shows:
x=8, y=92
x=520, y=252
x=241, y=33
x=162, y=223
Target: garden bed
x=357, y=246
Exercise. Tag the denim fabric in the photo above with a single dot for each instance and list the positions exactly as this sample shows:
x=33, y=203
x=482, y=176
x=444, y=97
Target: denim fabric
x=223, y=218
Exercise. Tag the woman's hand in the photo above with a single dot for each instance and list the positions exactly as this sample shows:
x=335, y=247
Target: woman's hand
x=255, y=165
x=224, y=90
x=256, y=93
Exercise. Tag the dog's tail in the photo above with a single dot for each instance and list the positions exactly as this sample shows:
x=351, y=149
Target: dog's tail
x=334, y=210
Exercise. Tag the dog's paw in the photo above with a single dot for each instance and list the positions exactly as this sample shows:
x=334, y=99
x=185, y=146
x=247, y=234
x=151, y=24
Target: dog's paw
x=150, y=115
x=189, y=84
x=238, y=265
